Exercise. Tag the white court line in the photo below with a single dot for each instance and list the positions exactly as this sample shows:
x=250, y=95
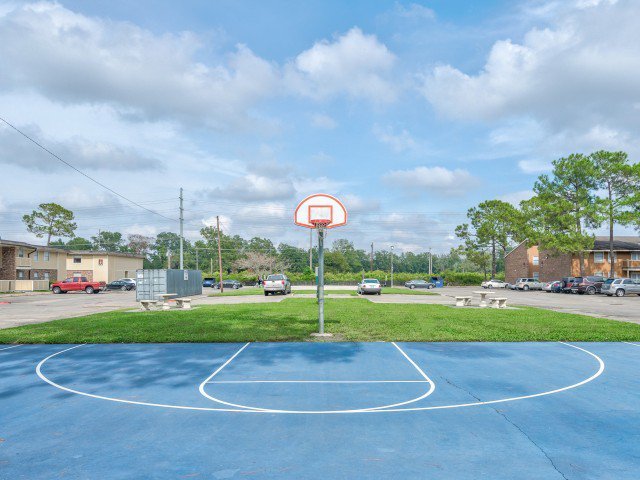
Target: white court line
x=437, y=407
x=7, y=348
x=318, y=381
x=634, y=344
x=432, y=387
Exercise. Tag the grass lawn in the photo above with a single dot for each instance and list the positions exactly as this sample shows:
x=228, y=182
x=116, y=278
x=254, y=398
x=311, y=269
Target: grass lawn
x=230, y=292
x=327, y=292
x=351, y=320
x=385, y=290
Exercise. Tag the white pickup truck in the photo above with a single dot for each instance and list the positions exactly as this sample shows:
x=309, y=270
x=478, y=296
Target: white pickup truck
x=278, y=283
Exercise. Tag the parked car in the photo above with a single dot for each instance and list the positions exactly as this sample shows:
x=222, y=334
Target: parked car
x=553, y=287
x=567, y=284
x=124, y=284
x=529, y=284
x=493, y=283
x=419, y=284
x=77, y=284
x=209, y=282
x=621, y=287
x=369, y=285
x=514, y=285
x=234, y=284
x=277, y=283
x=589, y=285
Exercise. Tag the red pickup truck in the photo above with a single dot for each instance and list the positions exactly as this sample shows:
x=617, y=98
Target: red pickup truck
x=77, y=284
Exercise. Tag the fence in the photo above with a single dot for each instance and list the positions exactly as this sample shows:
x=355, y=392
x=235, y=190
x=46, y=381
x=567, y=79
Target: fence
x=23, y=285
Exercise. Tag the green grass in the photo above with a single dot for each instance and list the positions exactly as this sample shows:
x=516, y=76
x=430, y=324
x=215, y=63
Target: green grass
x=229, y=292
x=327, y=292
x=352, y=320
x=385, y=290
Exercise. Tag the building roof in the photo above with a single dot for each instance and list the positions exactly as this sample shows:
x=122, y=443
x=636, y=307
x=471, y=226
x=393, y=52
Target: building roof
x=14, y=243
x=620, y=243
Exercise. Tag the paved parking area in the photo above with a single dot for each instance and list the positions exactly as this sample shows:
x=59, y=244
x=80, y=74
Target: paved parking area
x=43, y=307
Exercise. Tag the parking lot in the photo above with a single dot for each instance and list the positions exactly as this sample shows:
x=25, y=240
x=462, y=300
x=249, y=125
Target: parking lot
x=27, y=309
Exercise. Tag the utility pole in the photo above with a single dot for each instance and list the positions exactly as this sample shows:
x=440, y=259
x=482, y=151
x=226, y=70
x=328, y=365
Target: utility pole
x=197, y=263
x=169, y=259
x=99, y=235
x=430, y=262
x=391, y=266
x=371, y=259
x=181, y=232
x=219, y=254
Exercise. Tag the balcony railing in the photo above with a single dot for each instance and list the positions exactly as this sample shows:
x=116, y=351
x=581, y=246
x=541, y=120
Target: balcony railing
x=631, y=265
x=24, y=262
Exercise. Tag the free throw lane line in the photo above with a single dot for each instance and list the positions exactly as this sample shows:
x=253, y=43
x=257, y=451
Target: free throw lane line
x=432, y=387
x=7, y=348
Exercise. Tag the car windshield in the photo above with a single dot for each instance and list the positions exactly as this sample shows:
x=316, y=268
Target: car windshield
x=370, y=280
x=275, y=277
x=609, y=281
x=208, y=279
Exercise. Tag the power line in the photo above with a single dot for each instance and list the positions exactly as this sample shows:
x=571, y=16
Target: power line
x=80, y=171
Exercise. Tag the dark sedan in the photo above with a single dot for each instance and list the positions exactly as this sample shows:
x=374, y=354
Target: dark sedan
x=419, y=284
x=124, y=285
x=209, y=282
x=235, y=284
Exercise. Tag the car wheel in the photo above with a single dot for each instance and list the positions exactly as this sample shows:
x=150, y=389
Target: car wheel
x=266, y=294
x=525, y=288
x=489, y=286
x=235, y=287
x=412, y=287
x=89, y=289
x=56, y=290
x=123, y=288
x=620, y=292
x=591, y=291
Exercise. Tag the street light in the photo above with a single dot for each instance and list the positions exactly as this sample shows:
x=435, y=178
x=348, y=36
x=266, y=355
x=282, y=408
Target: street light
x=391, y=266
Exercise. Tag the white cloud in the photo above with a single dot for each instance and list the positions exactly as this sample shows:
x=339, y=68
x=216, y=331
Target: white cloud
x=72, y=58
x=399, y=142
x=354, y=64
x=414, y=11
x=432, y=179
x=320, y=120
x=254, y=188
x=533, y=166
x=515, y=198
x=582, y=70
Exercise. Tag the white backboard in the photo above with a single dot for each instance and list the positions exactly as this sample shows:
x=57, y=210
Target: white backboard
x=320, y=206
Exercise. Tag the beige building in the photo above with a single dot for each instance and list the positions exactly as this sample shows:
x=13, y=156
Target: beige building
x=23, y=265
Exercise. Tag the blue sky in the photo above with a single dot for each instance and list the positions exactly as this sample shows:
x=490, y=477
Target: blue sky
x=411, y=112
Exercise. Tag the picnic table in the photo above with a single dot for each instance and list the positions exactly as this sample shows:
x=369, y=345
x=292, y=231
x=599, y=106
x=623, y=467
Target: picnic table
x=483, y=297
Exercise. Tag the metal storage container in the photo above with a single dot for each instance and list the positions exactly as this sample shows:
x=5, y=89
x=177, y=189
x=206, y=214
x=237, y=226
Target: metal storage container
x=182, y=283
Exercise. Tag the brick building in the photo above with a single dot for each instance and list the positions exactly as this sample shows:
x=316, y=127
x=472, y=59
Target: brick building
x=26, y=263
x=546, y=265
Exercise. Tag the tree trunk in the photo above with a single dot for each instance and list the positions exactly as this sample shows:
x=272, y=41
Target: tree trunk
x=493, y=259
x=581, y=253
x=612, y=258
x=581, y=260
x=49, y=238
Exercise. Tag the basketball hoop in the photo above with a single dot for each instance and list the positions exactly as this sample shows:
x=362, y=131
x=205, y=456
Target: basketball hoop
x=320, y=211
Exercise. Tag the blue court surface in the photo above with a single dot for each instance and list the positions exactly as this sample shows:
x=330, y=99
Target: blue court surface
x=321, y=411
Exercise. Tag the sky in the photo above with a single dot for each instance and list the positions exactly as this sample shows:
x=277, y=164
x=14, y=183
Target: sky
x=409, y=112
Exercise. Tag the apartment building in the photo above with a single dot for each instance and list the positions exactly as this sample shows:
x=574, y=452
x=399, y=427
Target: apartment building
x=546, y=265
x=21, y=262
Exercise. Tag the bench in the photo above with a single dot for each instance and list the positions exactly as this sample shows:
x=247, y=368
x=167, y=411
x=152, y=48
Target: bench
x=498, y=302
x=146, y=304
x=183, y=303
x=163, y=301
x=463, y=301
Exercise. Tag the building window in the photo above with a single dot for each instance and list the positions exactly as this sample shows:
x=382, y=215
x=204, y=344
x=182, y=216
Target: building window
x=46, y=256
x=598, y=257
x=77, y=274
x=20, y=274
x=635, y=256
x=21, y=252
x=35, y=256
x=598, y=274
x=77, y=259
x=35, y=275
x=46, y=275
x=536, y=275
x=536, y=261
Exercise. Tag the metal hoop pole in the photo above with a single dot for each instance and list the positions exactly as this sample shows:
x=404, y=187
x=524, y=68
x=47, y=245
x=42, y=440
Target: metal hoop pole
x=321, y=278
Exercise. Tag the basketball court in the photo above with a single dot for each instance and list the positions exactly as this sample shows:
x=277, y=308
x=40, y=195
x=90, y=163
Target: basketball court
x=321, y=410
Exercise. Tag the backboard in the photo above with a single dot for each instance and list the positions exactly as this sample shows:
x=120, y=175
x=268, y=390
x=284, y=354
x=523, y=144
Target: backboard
x=320, y=209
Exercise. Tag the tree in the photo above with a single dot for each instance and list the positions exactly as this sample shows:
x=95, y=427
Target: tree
x=620, y=183
x=478, y=257
x=494, y=224
x=78, y=243
x=108, y=241
x=261, y=263
x=564, y=205
x=50, y=219
x=232, y=247
x=139, y=244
